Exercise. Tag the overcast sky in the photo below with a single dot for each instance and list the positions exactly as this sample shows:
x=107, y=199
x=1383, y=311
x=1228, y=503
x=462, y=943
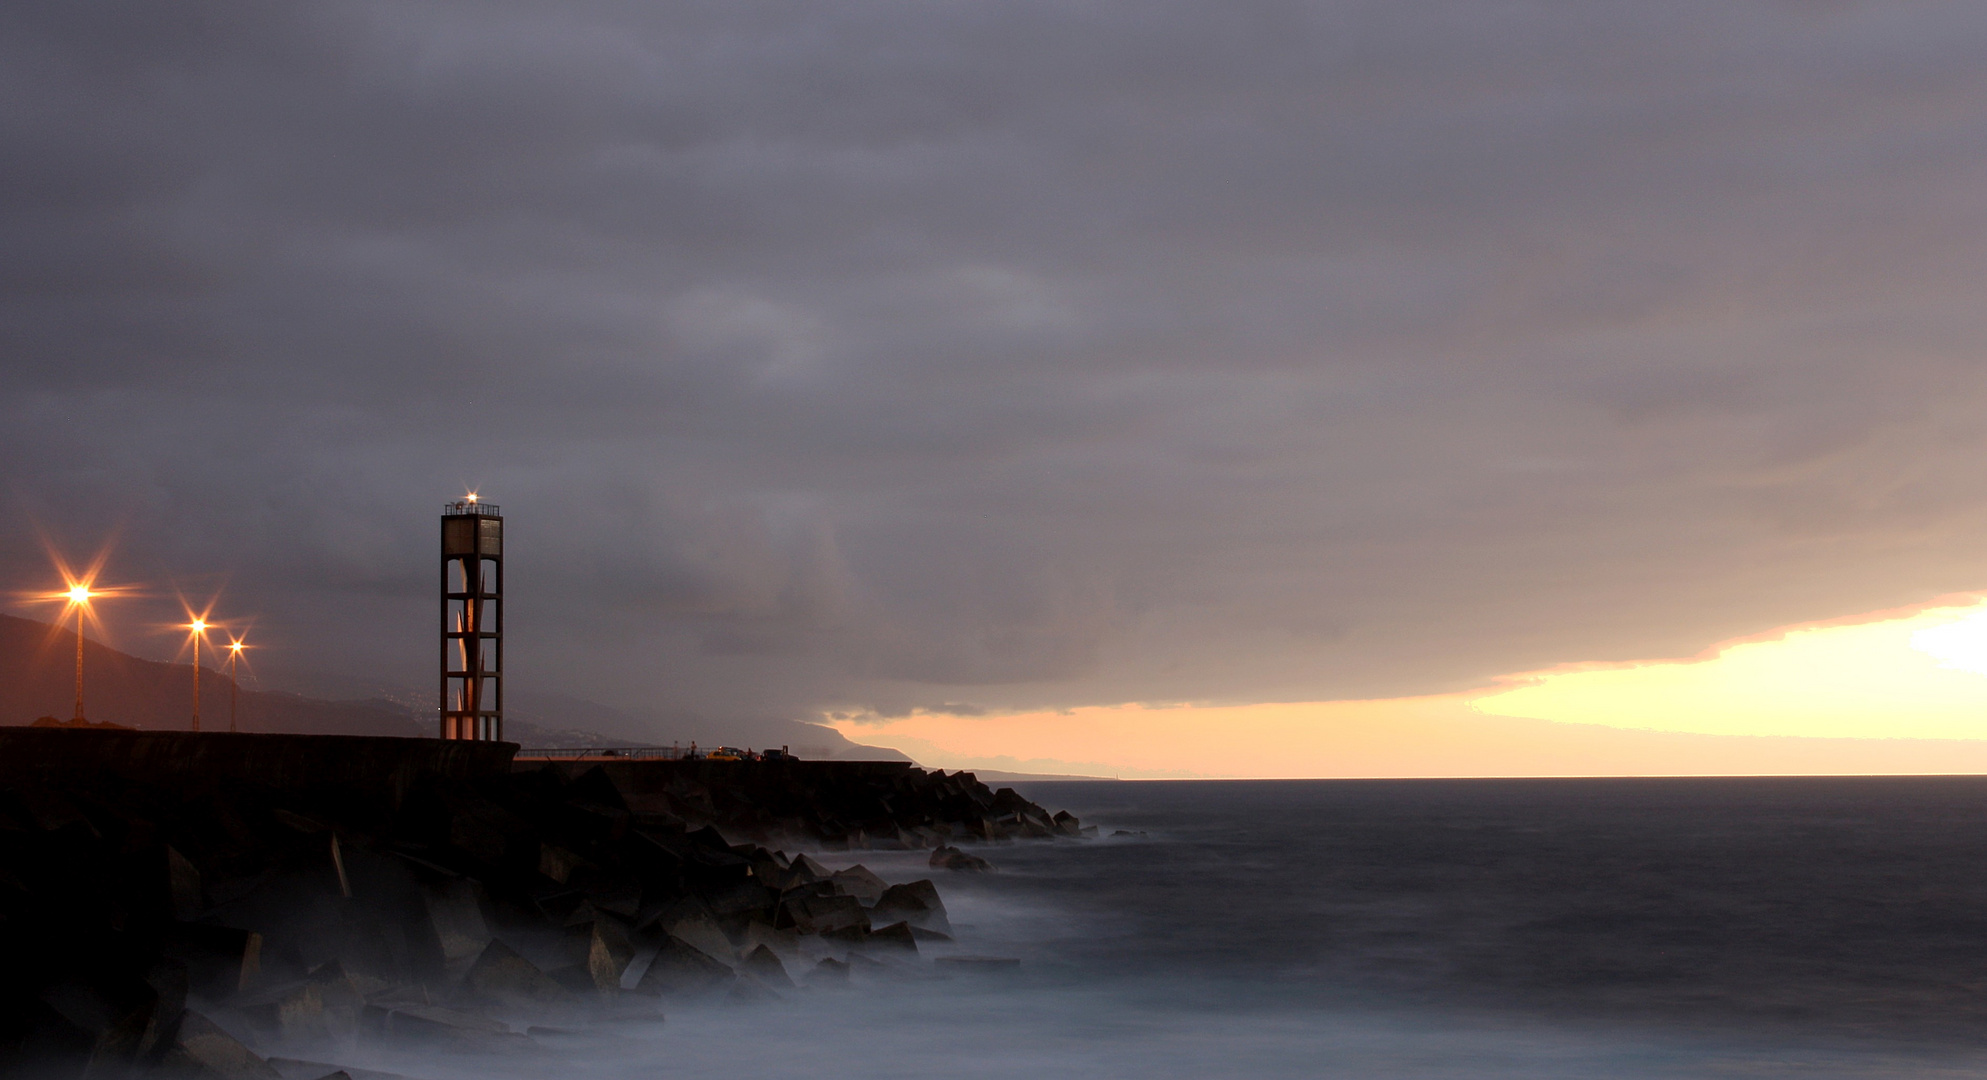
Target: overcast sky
x=867, y=356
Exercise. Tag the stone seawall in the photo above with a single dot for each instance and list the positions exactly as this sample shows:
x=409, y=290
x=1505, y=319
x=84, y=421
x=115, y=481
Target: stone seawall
x=371, y=767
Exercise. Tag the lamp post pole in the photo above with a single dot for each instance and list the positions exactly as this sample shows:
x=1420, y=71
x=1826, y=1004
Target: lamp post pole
x=79, y=595
x=79, y=665
x=198, y=626
x=234, y=684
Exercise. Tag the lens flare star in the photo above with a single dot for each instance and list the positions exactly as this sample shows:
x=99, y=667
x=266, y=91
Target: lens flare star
x=77, y=597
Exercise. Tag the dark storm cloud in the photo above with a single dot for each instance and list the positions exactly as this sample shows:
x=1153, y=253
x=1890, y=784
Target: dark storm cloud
x=871, y=354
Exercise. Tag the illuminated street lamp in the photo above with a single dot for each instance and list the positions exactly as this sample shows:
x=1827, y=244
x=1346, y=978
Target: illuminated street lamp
x=235, y=646
x=77, y=597
x=198, y=628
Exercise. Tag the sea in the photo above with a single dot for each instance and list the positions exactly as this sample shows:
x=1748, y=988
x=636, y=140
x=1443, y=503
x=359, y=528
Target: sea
x=1745, y=927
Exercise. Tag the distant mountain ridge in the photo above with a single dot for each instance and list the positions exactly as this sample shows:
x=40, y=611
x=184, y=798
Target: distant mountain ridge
x=38, y=678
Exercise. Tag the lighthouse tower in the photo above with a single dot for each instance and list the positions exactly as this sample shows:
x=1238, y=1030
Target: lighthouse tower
x=472, y=621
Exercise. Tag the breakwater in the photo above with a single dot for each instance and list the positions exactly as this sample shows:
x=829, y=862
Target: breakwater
x=887, y=805
x=197, y=903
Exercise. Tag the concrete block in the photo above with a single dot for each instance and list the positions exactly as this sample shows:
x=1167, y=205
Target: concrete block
x=821, y=914
x=951, y=858
x=701, y=931
x=914, y=902
x=608, y=955
x=455, y=911
x=219, y=1054
x=681, y=970
x=220, y=960
x=500, y=974
x=858, y=881
x=558, y=863
x=764, y=966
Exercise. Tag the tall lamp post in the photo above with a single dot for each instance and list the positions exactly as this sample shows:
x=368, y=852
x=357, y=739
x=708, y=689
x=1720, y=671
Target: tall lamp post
x=79, y=598
x=77, y=595
x=199, y=631
x=235, y=646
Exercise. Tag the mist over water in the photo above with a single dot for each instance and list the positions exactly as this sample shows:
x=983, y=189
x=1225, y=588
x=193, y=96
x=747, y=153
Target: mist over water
x=1570, y=928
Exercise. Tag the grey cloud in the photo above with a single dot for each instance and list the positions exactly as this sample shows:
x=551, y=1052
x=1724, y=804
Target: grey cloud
x=862, y=355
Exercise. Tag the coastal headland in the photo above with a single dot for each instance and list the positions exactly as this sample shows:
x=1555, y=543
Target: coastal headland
x=221, y=905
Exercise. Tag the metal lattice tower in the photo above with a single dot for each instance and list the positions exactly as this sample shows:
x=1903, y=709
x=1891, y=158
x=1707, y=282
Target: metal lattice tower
x=472, y=621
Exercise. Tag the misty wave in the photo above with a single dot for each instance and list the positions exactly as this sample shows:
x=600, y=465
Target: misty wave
x=1318, y=930
x=1009, y=1031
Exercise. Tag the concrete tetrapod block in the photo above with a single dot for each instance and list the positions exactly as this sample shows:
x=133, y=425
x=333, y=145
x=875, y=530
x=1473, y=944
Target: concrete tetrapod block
x=455, y=911
x=914, y=902
x=739, y=898
x=326, y=1004
x=858, y=881
x=822, y=914
x=762, y=964
x=218, y=1054
x=813, y=871
x=784, y=942
x=115, y=1020
x=608, y=954
x=500, y=974
x=558, y=863
x=681, y=970
x=220, y=960
x=951, y=858
x=701, y=931
x=291, y=1012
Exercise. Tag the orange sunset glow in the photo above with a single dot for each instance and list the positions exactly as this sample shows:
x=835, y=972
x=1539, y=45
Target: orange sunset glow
x=1890, y=692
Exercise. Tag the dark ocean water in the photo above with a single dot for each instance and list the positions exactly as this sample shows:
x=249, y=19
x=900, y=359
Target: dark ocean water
x=1563, y=928
x=1839, y=908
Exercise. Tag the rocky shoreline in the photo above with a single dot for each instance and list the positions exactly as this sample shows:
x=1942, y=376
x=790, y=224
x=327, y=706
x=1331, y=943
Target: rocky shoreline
x=206, y=908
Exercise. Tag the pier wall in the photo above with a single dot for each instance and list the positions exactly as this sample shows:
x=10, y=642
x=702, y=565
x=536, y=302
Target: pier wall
x=375, y=767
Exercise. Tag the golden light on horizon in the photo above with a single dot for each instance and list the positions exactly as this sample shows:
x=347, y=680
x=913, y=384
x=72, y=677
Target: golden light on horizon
x=1895, y=676
x=1888, y=680
x=80, y=594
